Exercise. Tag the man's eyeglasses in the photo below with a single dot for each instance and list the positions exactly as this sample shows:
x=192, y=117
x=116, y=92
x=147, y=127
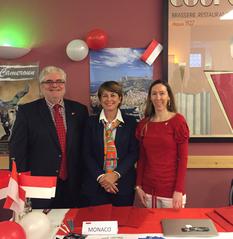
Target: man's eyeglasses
x=51, y=82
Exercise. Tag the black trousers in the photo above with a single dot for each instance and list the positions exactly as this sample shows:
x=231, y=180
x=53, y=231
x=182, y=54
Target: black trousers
x=65, y=197
x=107, y=198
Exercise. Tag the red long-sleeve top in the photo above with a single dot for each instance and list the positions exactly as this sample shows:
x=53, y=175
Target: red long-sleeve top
x=162, y=164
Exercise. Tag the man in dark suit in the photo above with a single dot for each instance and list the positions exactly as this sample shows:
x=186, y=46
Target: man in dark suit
x=47, y=137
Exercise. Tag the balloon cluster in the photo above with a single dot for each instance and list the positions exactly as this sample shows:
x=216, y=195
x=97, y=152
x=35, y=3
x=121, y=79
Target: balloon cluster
x=34, y=225
x=11, y=230
x=78, y=49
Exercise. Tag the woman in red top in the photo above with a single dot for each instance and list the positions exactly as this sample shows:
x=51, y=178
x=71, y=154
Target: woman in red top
x=163, y=136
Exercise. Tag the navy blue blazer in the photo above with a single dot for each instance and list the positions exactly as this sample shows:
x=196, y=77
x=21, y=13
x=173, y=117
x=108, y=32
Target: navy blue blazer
x=34, y=142
x=127, y=152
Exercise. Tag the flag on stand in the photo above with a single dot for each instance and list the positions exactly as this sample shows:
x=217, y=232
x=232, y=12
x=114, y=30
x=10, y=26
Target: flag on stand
x=16, y=187
x=4, y=180
x=38, y=186
x=152, y=52
x=15, y=199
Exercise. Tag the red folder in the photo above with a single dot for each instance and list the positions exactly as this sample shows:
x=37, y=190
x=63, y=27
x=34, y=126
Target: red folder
x=97, y=213
x=137, y=216
x=226, y=213
x=121, y=214
x=220, y=221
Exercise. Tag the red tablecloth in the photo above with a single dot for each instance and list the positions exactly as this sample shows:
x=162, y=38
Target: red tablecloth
x=152, y=222
x=141, y=220
x=224, y=217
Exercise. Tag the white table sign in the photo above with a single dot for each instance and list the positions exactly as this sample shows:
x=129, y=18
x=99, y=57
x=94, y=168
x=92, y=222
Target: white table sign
x=99, y=227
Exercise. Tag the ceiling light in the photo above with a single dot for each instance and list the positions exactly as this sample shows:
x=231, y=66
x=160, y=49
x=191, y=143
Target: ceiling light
x=9, y=52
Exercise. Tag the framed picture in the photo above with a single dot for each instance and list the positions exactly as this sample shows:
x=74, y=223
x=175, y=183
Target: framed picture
x=18, y=85
x=124, y=66
x=200, y=66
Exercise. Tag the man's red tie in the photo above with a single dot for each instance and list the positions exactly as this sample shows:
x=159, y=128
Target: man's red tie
x=61, y=133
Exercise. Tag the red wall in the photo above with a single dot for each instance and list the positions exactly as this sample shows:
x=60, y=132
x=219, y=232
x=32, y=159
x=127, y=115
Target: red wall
x=209, y=187
x=128, y=23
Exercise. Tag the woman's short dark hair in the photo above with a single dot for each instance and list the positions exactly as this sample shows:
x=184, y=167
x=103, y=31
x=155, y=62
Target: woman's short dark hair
x=111, y=86
x=171, y=106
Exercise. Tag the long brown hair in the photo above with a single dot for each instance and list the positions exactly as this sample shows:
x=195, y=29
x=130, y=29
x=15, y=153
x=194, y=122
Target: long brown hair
x=150, y=110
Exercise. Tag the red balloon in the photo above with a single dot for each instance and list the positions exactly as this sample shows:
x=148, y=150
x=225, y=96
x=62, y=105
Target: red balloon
x=11, y=230
x=97, y=39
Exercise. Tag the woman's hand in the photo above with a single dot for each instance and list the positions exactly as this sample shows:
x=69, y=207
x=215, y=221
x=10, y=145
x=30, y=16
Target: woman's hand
x=108, y=182
x=177, y=201
x=141, y=196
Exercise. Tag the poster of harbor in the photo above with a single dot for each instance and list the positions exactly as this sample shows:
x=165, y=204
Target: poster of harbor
x=124, y=66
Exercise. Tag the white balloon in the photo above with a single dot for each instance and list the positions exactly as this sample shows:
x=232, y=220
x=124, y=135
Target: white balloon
x=77, y=50
x=36, y=225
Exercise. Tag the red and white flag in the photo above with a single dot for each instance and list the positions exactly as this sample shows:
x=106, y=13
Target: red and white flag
x=4, y=180
x=38, y=186
x=15, y=199
x=16, y=187
x=152, y=52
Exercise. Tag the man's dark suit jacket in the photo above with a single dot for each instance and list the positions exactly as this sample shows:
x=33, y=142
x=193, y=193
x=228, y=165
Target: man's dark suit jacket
x=127, y=152
x=34, y=142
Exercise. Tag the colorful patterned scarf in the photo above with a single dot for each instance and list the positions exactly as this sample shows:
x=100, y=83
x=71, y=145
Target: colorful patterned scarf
x=110, y=151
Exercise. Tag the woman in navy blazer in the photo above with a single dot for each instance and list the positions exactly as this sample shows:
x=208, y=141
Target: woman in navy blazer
x=116, y=186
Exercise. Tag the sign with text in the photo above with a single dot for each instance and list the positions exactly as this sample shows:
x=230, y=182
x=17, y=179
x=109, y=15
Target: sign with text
x=18, y=72
x=99, y=227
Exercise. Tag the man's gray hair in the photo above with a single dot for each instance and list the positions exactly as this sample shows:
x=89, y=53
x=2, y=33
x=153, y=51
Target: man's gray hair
x=51, y=69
